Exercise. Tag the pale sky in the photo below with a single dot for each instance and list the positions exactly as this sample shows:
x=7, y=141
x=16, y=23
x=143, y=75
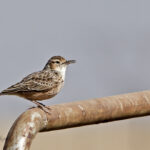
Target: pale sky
x=109, y=39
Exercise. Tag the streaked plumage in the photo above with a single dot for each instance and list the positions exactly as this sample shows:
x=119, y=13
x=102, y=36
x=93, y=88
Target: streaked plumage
x=43, y=84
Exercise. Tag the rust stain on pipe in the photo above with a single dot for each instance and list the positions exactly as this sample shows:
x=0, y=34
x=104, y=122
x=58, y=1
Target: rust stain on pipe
x=75, y=114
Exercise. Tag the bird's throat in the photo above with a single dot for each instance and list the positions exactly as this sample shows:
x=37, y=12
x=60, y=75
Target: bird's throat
x=62, y=71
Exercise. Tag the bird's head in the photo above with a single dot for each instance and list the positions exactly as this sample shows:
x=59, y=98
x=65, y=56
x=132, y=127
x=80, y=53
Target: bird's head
x=58, y=63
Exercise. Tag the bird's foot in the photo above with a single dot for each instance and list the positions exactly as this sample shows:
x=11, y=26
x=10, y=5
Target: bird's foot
x=43, y=107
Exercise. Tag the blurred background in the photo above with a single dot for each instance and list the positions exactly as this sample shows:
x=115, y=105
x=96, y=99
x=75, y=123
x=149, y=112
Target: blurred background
x=110, y=41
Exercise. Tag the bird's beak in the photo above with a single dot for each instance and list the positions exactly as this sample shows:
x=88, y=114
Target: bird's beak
x=70, y=62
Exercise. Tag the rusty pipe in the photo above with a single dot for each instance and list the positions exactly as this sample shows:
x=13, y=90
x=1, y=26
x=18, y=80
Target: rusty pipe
x=75, y=114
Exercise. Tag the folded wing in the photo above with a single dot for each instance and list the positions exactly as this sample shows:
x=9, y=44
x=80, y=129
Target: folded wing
x=38, y=81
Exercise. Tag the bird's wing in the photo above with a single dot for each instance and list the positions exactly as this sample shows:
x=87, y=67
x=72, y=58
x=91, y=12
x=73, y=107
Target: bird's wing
x=38, y=81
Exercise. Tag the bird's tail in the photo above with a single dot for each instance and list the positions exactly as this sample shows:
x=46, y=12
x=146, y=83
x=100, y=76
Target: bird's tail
x=1, y=93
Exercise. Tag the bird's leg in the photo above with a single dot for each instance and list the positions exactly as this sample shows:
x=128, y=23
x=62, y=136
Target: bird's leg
x=42, y=106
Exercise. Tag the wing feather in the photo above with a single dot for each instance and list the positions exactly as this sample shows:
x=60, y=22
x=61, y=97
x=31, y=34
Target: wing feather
x=37, y=81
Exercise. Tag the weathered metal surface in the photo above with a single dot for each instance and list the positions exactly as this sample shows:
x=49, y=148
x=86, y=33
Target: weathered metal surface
x=24, y=129
x=75, y=114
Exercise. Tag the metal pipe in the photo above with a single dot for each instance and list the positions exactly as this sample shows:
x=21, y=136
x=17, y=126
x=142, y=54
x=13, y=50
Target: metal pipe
x=75, y=114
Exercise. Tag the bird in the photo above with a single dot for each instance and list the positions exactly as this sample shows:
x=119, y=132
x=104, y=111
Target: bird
x=43, y=84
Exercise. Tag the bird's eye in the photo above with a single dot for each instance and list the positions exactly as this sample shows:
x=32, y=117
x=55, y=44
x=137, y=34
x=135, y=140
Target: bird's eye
x=57, y=62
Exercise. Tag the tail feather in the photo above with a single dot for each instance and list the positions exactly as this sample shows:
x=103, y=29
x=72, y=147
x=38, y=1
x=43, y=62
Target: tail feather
x=6, y=92
x=3, y=93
